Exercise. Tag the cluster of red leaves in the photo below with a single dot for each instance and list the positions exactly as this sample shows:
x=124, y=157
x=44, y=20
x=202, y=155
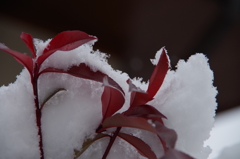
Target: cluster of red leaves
x=138, y=115
x=113, y=97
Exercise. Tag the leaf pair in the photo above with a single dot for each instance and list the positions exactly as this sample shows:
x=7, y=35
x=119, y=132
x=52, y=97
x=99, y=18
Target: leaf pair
x=140, y=97
x=167, y=136
x=64, y=41
x=112, y=100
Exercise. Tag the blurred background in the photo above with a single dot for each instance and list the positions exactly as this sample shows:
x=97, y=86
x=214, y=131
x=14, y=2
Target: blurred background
x=132, y=32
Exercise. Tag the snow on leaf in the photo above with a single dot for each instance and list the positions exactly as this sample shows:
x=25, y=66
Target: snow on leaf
x=120, y=120
x=158, y=74
x=65, y=41
x=83, y=71
x=138, y=96
x=140, y=145
x=21, y=58
x=27, y=38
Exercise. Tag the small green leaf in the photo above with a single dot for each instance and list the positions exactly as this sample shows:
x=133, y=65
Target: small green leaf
x=49, y=97
x=88, y=143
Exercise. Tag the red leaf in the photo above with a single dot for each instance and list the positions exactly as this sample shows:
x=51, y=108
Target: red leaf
x=112, y=101
x=65, y=41
x=169, y=136
x=158, y=74
x=27, y=38
x=143, y=110
x=138, y=96
x=175, y=154
x=140, y=145
x=84, y=71
x=21, y=58
x=120, y=120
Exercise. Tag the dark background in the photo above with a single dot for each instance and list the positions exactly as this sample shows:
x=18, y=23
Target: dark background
x=133, y=31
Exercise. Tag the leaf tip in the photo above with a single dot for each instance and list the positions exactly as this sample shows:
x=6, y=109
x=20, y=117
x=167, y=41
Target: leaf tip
x=3, y=46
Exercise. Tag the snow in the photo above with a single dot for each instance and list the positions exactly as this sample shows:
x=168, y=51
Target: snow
x=157, y=57
x=187, y=98
x=231, y=152
x=225, y=139
x=70, y=115
x=18, y=131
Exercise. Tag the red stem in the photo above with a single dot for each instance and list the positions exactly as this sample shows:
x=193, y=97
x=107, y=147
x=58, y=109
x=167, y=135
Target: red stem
x=38, y=110
x=111, y=142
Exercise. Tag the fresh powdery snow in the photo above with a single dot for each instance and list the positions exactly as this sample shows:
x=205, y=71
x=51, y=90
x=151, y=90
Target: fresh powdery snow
x=186, y=98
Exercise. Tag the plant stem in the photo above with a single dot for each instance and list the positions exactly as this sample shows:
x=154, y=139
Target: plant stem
x=38, y=110
x=111, y=142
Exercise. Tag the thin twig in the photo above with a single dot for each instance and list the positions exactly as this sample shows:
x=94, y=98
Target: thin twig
x=111, y=142
x=38, y=110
